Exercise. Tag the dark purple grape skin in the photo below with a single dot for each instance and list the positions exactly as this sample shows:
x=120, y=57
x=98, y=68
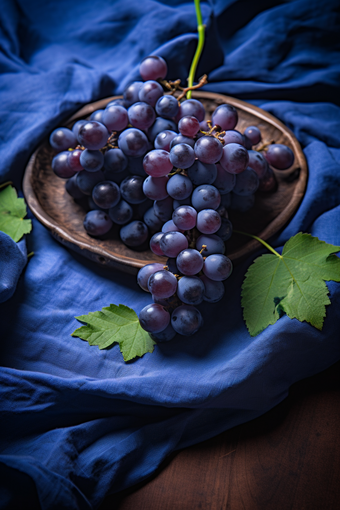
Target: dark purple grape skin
x=268, y=181
x=258, y=163
x=154, y=244
x=86, y=181
x=160, y=125
x=93, y=135
x=188, y=126
x=162, y=284
x=217, y=267
x=140, y=209
x=145, y=272
x=202, y=173
x=186, y=320
x=92, y=161
x=115, y=118
x=141, y=115
x=212, y=242
x=189, y=262
x=157, y=163
x=152, y=221
x=214, y=291
x=172, y=243
x=61, y=167
x=97, y=115
x=226, y=229
x=135, y=166
x=73, y=189
x=106, y=194
x=184, y=217
x=205, y=197
x=133, y=142
x=118, y=102
x=155, y=187
x=190, y=290
x=163, y=208
x=179, y=187
x=150, y=92
x=182, y=156
x=224, y=181
x=76, y=126
x=62, y=139
x=131, y=189
x=154, y=318
x=74, y=160
x=131, y=93
x=164, y=139
x=121, y=213
x=208, y=149
x=235, y=158
x=164, y=336
x=233, y=136
x=97, y=223
x=253, y=134
x=246, y=183
x=208, y=221
x=115, y=161
x=153, y=68
x=182, y=139
x=279, y=156
x=169, y=226
x=167, y=107
x=134, y=234
x=192, y=108
x=225, y=116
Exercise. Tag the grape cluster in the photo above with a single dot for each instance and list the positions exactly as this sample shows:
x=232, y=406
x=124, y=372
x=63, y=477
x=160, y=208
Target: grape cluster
x=155, y=167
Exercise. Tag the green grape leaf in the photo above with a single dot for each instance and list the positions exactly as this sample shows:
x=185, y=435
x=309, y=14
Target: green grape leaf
x=12, y=213
x=291, y=283
x=116, y=324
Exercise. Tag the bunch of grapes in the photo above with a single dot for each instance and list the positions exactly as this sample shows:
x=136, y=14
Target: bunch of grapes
x=154, y=166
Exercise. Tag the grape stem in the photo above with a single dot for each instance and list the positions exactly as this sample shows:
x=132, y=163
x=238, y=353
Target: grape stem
x=260, y=241
x=8, y=183
x=200, y=31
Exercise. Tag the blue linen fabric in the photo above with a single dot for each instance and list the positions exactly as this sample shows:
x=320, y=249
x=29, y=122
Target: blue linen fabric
x=78, y=423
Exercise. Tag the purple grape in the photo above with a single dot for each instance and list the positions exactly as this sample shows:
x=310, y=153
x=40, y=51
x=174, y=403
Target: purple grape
x=167, y=107
x=224, y=181
x=155, y=187
x=153, y=68
x=106, y=194
x=86, y=181
x=72, y=188
x=190, y=290
x=92, y=161
x=279, y=156
x=61, y=167
x=162, y=284
x=189, y=126
x=133, y=142
x=160, y=125
x=115, y=118
x=154, y=318
x=74, y=160
x=131, y=93
x=182, y=156
x=154, y=244
x=268, y=181
x=164, y=139
x=62, y=139
x=141, y=115
x=166, y=335
x=189, y=262
x=172, y=243
x=172, y=266
x=185, y=217
x=179, y=187
x=202, y=173
x=115, y=161
x=76, y=126
x=121, y=213
x=217, y=267
x=93, y=135
x=118, y=102
x=182, y=139
x=258, y=163
x=214, y=291
x=205, y=197
x=157, y=163
x=97, y=223
x=152, y=221
x=233, y=136
x=98, y=116
x=150, y=92
x=208, y=149
x=186, y=320
x=178, y=203
x=242, y=203
x=132, y=189
x=225, y=116
x=134, y=234
x=235, y=158
x=163, y=208
x=169, y=226
x=145, y=273
x=191, y=108
x=253, y=134
x=213, y=243
x=226, y=229
x=246, y=183
x=208, y=221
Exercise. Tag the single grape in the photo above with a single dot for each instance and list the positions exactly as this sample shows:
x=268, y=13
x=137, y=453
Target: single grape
x=226, y=229
x=205, y=197
x=217, y=267
x=154, y=244
x=182, y=139
x=208, y=221
x=164, y=336
x=208, y=149
x=106, y=194
x=164, y=139
x=74, y=160
x=186, y=320
x=225, y=116
x=93, y=135
x=279, y=156
x=72, y=188
x=141, y=115
x=97, y=223
x=134, y=234
x=202, y=173
x=190, y=290
x=115, y=161
x=131, y=93
x=62, y=139
x=258, y=163
x=133, y=142
x=154, y=318
x=189, y=262
x=167, y=107
x=182, y=156
x=121, y=213
x=189, y=126
x=163, y=208
x=150, y=92
x=172, y=243
x=160, y=125
x=247, y=142
x=179, y=187
x=233, y=136
x=162, y=284
x=242, y=203
x=191, y=108
x=268, y=181
x=214, y=291
x=91, y=160
x=145, y=272
x=185, y=217
x=169, y=226
x=224, y=181
x=76, y=126
x=61, y=167
x=235, y=158
x=246, y=183
x=86, y=181
x=212, y=242
x=155, y=187
x=253, y=134
x=97, y=115
x=157, y=163
x=115, y=118
x=153, y=68
x=152, y=221
x=132, y=189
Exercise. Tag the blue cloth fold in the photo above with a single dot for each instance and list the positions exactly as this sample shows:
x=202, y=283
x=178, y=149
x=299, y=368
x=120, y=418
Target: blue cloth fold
x=78, y=423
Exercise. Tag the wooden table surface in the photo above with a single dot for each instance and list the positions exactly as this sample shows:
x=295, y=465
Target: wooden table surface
x=288, y=458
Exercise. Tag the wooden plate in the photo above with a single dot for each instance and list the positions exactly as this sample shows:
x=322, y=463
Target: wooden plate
x=48, y=200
